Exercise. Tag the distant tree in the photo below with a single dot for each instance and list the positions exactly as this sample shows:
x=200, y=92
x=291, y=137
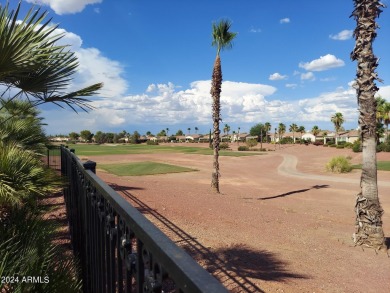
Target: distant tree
x=100, y=137
x=196, y=129
x=382, y=114
x=162, y=133
x=281, y=131
x=226, y=129
x=315, y=130
x=267, y=128
x=293, y=128
x=337, y=120
x=135, y=137
x=148, y=133
x=301, y=130
x=258, y=130
x=86, y=135
x=179, y=132
x=110, y=137
x=74, y=136
x=167, y=129
x=222, y=39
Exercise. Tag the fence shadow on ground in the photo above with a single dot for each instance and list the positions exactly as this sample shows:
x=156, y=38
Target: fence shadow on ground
x=234, y=266
x=294, y=192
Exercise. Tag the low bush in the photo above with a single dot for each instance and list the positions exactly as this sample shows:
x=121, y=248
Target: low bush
x=318, y=142
x=384, y=147
x=223, y=146
x=251, y=143
x=325, y=145
x=332, y=145
x=243, y=148
x=357, y=147
x=339, y=146
x=339, y=164
x=152, y=142
x=348, y=145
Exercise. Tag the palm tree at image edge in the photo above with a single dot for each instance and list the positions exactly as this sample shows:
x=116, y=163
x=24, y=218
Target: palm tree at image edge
x=368, y=226
x=222, y=39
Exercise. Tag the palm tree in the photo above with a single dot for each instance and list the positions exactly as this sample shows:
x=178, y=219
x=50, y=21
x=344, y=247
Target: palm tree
x=281, y=130
x=293, y=128
x=167, y=130
x=267, y=127
x=196, y=129
x=315, y=131
x=222, y=39
x=33, y=67
x=189, y=130
x=337, y=120
x=301, y=130
x=368, y=228
x=383, y=113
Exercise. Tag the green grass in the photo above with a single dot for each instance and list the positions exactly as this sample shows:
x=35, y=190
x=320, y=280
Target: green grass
x=96, y=150
x=382, y=165
x=142, y=168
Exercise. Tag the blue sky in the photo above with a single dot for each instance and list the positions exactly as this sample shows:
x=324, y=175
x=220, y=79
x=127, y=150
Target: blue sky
x=290, y=63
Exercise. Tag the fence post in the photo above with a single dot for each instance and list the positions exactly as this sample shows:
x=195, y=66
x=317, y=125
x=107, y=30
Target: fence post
x=90, y=165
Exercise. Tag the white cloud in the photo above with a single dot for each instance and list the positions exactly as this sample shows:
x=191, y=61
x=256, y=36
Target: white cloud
x=65, y=6
x=384, y=92
x=342, y=36
x=307, y=76
x=291, y=85
x=93, y=67
x=166, y=104
x=255, y=30
x=277, y=76
x=323, y=63
x=322, y=107
x=285, y=20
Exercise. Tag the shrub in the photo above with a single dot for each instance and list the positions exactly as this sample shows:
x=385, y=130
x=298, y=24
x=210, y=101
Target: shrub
x=325, y=145
x=243, y=148
x=357, y=147
x=223, y=145
x=332, y=145
x=348, y=145
x=339, y=164
x=339, y=146
x=318, y=142
x=152, y=142
x=287, y=140
x=251, y=143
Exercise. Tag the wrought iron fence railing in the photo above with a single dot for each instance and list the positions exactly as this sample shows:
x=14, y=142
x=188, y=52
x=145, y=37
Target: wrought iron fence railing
x=118, y=248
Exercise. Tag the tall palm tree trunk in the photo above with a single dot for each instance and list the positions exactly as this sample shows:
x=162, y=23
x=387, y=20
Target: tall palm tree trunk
x=216, y=93
x=368, y=229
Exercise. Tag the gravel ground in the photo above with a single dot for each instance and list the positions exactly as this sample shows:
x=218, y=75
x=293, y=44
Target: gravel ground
x=279, y=225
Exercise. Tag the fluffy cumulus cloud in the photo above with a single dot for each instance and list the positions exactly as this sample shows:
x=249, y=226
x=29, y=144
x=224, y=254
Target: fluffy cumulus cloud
x=384, y=92
x=65, y=6
x=308, y=76
x=323, y=63
x=277, y=76
x=342, y=36
x=284, y=20
x=93, y=67
x=322, y=107
x=167, y=104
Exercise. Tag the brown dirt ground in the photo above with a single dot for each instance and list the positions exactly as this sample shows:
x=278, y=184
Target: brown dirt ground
x=267, y=231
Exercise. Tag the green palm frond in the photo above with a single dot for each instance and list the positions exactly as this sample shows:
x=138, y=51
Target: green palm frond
x=23, y=177
x=26, y=249
x=222, y=38
x=31, y=61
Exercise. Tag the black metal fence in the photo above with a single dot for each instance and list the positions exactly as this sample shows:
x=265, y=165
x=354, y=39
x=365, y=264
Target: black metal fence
x=119, y=249
x=53, y=157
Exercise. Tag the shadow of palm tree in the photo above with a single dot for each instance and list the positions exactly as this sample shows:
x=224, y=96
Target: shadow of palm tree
x=294, y=192
x=234, y=267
